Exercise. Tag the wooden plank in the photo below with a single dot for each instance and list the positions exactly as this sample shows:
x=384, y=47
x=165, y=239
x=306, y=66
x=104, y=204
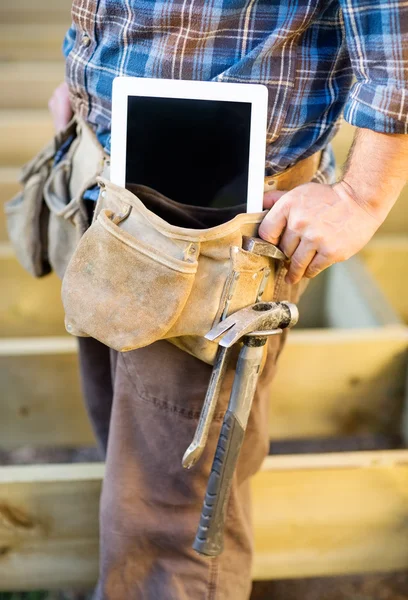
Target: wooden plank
x=331, y=514
x=386, y=258
x=346, y=383
x=41, y=403
x=30, y=307
x=29, y=85
x=49, y=526
x=9, y=186
x=339, y=382
x=314, y=515
x=22, y=134
x=38, y=12
x=23, y=41
x=353, y=298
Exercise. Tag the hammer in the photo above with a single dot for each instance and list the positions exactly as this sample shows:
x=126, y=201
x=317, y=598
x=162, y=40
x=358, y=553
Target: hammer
x=252, y=325
x=196, y=448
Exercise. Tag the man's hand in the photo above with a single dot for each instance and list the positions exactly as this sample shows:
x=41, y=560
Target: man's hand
x=60, y=107
x=317, y=225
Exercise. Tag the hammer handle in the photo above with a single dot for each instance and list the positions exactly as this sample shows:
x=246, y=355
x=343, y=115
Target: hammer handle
x=209, y=539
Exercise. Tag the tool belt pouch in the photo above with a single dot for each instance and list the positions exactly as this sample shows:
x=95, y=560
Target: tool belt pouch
x=47, y=218
x=67, y=216
x=136, y=277
x=27, y=215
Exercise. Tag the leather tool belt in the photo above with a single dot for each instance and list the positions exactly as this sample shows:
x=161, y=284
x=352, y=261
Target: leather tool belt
x=147, y=268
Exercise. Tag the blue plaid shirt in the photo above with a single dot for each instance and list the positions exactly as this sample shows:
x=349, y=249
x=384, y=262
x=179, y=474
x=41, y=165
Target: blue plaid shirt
x=318, y=58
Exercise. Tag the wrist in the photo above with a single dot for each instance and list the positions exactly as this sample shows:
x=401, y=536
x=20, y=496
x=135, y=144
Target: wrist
x=373, y=202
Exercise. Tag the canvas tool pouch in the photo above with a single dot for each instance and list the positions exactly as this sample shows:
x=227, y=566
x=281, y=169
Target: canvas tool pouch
x=149, y=268
x=47, y=218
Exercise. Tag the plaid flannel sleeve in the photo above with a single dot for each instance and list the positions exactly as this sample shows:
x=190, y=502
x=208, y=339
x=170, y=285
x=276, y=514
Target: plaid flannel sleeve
x=377, y=40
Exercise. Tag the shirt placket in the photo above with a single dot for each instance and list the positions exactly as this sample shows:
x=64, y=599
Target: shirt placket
x=84, y=17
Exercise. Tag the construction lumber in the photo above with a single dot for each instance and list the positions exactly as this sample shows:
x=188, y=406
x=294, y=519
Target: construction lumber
x=22, y=134
x=314, y=515
x=331, y=514
x=328, y=384
x=49, y=526
x=29, y=85
x=33, y=13
x=339, y=382
x=40, y=402
x=30, y=307
x=39, y=42
x=386, y=258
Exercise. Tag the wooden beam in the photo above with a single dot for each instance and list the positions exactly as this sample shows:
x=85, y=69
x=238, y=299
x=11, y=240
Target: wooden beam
x=339, y=382
x=347, y=383
x=38, y=12
x=49, y=526
x=41, y=403
x=386, y=258
x=22, y=307
x=354, y=300
x=324, y=515
x=22, y=134
x=29, y=85
x=40, y=42
x=314, y=515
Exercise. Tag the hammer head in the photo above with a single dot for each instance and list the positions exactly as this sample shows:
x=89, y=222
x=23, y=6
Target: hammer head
x=263, y=316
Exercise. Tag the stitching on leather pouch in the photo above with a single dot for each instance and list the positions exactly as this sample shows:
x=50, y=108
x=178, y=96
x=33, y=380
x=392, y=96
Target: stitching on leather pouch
x=126, y=238
x=279, y=282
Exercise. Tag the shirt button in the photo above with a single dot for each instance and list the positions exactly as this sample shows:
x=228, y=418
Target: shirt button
x=86, y=40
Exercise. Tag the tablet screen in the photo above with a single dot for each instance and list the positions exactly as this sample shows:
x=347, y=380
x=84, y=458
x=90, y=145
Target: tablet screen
x=193, y=151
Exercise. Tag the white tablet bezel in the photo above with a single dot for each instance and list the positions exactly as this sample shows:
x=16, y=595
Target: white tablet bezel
x=256, y=94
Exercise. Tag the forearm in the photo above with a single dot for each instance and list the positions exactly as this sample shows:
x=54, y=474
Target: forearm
x=376, y=171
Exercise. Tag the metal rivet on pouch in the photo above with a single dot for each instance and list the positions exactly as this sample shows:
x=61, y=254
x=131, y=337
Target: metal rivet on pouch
x=103, y=194
x=69, y=327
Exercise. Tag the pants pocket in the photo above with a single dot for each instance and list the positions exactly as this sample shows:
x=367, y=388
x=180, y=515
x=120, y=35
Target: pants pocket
x=123, y=291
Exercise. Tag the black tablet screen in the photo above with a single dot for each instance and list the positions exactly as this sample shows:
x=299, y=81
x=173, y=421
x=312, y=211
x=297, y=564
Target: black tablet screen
x=193, y=151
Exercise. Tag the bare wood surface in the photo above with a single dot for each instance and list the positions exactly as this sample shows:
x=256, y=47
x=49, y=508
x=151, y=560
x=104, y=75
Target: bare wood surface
x=38, y=12
x=331, y=514
x=28, y=85
x=40, y=402
x=386, y=258
x=314, y=515
x=328, y=384
x=339, y=382
x=40, y=42
x=29, y=306
x=49, y=526
x=22, y=134
x=354, y=299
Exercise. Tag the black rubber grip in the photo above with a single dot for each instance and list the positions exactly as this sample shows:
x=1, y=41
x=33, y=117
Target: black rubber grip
x=209, y=539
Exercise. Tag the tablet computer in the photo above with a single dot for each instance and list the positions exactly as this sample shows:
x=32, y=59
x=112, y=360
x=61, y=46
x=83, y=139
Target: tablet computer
x=198, y=143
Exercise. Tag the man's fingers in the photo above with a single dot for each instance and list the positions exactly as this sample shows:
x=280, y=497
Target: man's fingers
x=317, y=265
x=300, y=262
x=289, y=242
x=270, y=198
x=274, y=223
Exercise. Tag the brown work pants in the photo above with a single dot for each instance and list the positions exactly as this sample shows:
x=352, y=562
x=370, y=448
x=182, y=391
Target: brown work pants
x=144, y=406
